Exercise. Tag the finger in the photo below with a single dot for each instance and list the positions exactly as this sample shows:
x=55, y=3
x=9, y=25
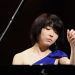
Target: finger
x=72, y=38
x=73, y=33
x=70, y=32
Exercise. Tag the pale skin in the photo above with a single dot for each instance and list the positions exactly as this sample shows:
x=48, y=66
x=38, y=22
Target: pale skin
x=71, y=40
x=41, y=49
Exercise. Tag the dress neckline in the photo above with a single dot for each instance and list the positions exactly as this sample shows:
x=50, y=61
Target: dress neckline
x=42, y=58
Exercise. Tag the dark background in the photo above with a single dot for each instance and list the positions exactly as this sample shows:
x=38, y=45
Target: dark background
x=17, y=38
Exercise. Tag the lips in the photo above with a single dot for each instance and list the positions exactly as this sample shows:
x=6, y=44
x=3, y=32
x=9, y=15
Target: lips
x=49, y=40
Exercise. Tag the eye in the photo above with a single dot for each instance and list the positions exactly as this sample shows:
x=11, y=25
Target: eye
x=48, y=28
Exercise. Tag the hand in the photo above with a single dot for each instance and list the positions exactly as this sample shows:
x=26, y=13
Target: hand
x=71, y=37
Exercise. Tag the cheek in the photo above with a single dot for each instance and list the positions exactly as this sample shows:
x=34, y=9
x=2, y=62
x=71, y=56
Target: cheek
x=55, y=38
x=43, y=34
x=41, y=37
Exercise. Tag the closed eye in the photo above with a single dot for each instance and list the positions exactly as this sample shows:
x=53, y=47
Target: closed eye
x=47, y=28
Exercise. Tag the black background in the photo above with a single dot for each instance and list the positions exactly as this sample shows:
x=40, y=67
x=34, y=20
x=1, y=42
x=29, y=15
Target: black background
x=17, y=37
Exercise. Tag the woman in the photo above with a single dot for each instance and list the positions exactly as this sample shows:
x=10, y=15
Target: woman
x=47, y=30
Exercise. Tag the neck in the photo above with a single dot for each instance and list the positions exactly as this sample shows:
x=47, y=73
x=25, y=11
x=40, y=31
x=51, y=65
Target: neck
x=40, y=48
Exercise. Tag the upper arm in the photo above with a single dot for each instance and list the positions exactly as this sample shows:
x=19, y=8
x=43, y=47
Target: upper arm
x=64, y=61
x=17, y=60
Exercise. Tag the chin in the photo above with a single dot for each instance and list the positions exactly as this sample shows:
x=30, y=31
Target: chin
x=48, y=44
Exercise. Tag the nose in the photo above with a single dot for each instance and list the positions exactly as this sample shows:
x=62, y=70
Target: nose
x=51, y=35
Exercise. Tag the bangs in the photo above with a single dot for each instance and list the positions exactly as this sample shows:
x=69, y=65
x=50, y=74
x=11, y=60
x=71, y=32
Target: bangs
x=57, y=27
x=43, y=21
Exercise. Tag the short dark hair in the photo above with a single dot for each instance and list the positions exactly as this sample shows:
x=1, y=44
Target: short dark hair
x=44, y=20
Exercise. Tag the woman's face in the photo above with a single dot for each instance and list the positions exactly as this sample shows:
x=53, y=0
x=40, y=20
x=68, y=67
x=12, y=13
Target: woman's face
x=47, y=36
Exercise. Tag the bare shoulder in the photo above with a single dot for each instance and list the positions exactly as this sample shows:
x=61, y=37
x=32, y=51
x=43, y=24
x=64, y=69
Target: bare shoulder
x=19, y=58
